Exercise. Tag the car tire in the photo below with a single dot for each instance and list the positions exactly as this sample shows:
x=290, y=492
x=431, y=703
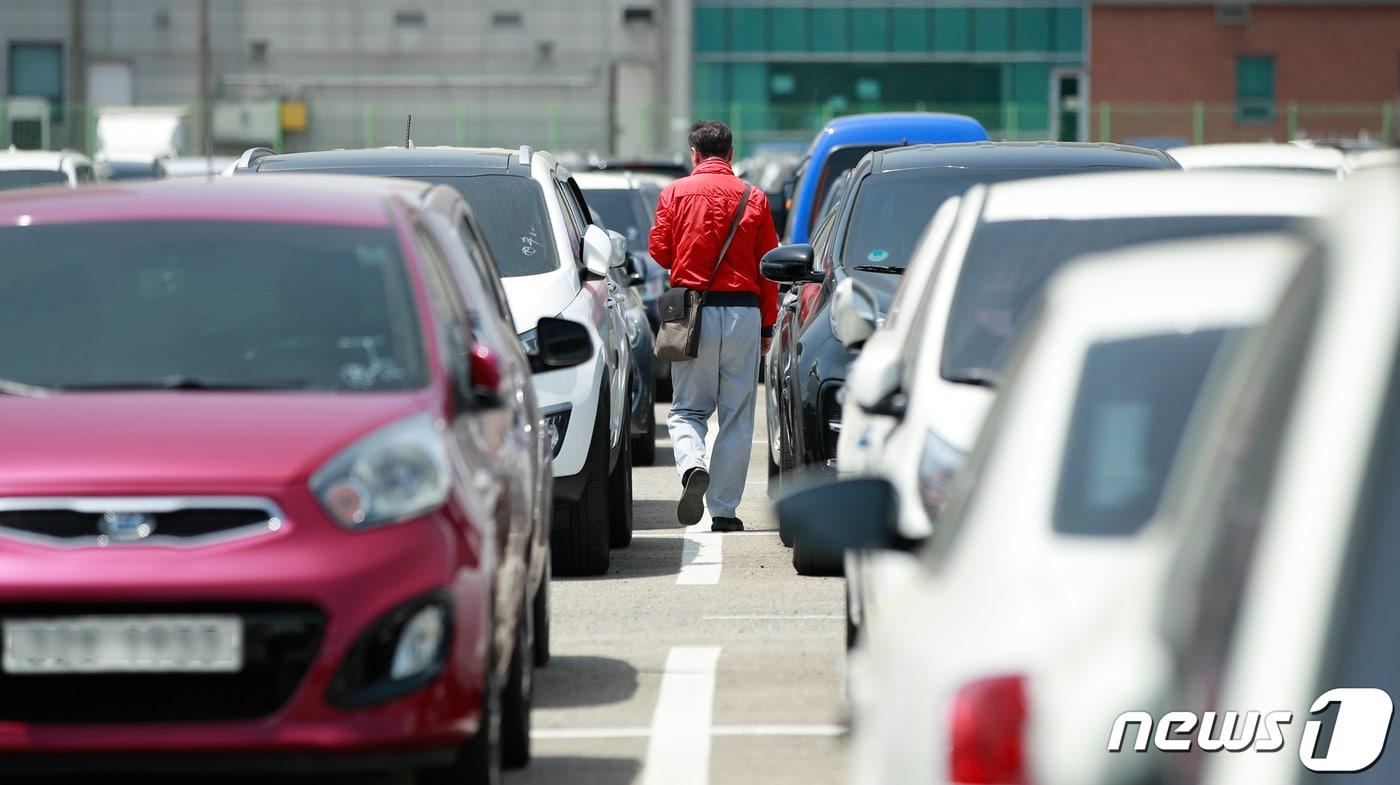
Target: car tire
x=808, y=560
x=786, y=466
x=518, y=695
x=479, y=760
x=540, y=617
x=644, y=445
x=620, y=498
x=578, y=538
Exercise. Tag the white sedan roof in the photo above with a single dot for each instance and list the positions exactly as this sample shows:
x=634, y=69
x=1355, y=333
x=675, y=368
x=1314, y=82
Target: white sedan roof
x=1160, y=194
x=599, y=181
x=1264, y=155
x=34, y=160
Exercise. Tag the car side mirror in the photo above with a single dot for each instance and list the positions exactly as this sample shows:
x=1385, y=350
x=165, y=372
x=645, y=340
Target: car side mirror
x=636, y=271
x=855, y=313
x=560, y=343
x=790, y=264
x=875, y=380
x=597, y=252
x=618, y=257
x=484, y=377
x=851, y=514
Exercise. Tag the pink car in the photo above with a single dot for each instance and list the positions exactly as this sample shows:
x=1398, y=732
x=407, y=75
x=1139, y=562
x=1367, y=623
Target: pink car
x=269, y=483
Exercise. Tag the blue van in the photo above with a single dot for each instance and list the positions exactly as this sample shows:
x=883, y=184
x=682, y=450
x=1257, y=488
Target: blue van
x=846, y=140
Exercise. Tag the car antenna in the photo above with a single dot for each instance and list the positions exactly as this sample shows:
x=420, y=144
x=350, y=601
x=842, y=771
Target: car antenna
x=408, y=134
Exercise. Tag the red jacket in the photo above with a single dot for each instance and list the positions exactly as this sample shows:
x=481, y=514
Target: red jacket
x=691, y=222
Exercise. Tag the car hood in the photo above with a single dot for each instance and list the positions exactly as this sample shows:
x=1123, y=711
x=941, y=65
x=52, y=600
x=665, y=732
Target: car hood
x=533, y=297
x=182, y=441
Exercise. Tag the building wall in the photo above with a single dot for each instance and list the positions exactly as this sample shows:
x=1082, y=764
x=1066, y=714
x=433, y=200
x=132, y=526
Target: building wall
x=1339, y=63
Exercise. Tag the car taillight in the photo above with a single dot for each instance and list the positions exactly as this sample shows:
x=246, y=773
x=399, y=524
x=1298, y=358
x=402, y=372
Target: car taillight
x=988, y=733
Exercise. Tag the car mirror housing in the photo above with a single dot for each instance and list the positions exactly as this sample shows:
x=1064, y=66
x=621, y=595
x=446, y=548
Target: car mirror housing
x=875, y=381
x=618, y=257
x=597, y=252
x=560, y=343
x=790, y=264
x=851, y=514
x=855, y=313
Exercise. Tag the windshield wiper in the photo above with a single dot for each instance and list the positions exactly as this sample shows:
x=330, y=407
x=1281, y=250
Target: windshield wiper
x=8, y=387
x=181, y=382
x=887, y=269
x=979, y=377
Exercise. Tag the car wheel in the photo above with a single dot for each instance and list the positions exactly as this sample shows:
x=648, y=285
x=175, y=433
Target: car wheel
x=785, y=468
x=519, y=693
x=540, y=617
x=808, y=560
x=479, y=760
x=644, y=445
x=578, y=540
x=620, y=498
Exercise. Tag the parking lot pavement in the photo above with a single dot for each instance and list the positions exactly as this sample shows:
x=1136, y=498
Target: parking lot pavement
x=699, y=658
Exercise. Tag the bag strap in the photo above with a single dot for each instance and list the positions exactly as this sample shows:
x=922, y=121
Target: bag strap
x=728, y=239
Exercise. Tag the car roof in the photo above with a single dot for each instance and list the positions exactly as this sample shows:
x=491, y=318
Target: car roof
x=606, y=180
x=1261, y=155
x=1174, y=193
x=443, y=160
x=1020, y=155
x=11, y=160
x=331, y=200
x=892, y=127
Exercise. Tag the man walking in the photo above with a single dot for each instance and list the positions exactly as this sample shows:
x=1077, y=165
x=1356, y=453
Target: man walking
x=736, y=323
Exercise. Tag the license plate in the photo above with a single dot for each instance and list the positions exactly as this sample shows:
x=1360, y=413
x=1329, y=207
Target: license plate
x=123, y=644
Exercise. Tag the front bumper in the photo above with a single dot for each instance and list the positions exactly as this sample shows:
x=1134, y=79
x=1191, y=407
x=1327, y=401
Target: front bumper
x=350, y=580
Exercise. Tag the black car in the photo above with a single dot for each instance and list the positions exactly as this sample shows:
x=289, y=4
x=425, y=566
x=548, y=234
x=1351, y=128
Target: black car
x=870, y=235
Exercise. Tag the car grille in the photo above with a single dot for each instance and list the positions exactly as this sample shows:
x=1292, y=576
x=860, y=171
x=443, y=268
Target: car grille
x=79, y=521
x=280, y=642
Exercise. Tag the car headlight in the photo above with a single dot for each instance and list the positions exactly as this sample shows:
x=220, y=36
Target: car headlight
x=556, y=426
x=938, y=463
x=396, y=473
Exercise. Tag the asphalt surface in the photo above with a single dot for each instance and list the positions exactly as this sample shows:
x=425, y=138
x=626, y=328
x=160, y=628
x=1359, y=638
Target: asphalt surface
x=699, y=658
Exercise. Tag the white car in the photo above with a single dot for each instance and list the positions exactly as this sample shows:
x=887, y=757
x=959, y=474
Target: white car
x=1263, y=156
x=1067, y=474
x=935, y=386
x=33, y=168
x=1283, y=585
x=554, y=262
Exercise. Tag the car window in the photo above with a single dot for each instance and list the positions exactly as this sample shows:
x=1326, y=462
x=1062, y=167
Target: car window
x=573, y=219
x=12, y=179
x=448, y=307
x=484, y=270
x=1008, y=262
x=837, y=163
x=85, y=174
x=1127, y=420
x=257, y=305
x=513, y=215
x=623, y=211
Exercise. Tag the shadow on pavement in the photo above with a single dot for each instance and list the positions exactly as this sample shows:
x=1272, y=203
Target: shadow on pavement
x=646, y=557
x=654, y=514
x=569, y=682
x=576, y=771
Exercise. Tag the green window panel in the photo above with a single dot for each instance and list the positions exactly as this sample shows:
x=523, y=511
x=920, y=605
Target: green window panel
x=829, y=30
x=1030, y=81
x=871, y=29
x=1069, y=29
x=791, y=30
x=1033, y=30
x=711, y=91
x=37, y=70
x=710, y=32
x=748, y=29
x=1254, y=88
x=952, y=29
x=991, y=30
x=910, y=29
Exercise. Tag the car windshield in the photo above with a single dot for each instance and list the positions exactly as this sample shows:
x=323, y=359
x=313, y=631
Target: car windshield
x=621, y=210
x=1008, y=262
x=838, y=162
x=1134, y=399
x=11, y=179
x=514, y=218
x=207, y=305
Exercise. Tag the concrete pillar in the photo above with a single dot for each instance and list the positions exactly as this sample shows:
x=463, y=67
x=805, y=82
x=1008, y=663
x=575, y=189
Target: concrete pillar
x=680, y=17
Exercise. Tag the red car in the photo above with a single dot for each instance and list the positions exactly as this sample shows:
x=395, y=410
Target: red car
x=255, y=499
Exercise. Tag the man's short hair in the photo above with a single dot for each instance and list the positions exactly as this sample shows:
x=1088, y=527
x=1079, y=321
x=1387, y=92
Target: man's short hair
x=711, y=138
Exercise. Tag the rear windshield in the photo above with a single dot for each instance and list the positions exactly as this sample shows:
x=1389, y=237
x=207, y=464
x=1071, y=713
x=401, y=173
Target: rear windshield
x=514, y=218
x=207, y=305
x=621, y=210
x=28, y=178
x=1134, y=399
x=1008, y=262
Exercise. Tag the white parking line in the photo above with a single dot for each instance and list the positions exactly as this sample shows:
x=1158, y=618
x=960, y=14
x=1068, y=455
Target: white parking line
x=675, y=533
x=679, y=750
x=702, y=558
x=571, y=734
x=759, y=617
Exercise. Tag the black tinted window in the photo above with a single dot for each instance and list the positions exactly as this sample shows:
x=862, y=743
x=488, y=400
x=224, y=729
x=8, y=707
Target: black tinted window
x=214, y=304
x=1008, y=262
x=621, y=210
x=1134, y=399
x=513, y=216
x=838, y=162
x=24, y=178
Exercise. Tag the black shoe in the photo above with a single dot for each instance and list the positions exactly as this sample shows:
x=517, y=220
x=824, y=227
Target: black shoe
x=723, y=524
x=692, y=506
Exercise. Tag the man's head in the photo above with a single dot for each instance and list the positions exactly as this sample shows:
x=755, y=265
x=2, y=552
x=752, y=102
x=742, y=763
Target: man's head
x=710, y=139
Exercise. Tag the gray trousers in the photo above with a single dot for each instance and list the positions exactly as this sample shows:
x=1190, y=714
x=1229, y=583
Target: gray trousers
x=723, y=377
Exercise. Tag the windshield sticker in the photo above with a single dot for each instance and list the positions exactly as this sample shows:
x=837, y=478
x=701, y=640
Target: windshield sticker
x=878, y=255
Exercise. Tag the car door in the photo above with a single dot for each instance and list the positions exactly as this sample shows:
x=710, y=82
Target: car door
x=803, y=306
